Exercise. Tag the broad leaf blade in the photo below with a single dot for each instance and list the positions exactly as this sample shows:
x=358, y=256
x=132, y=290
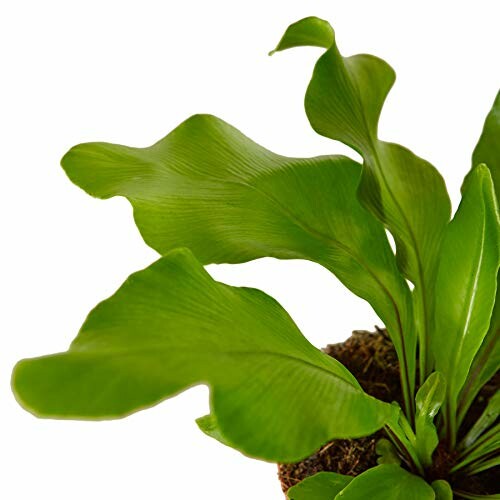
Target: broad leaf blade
x=429, y=399
x=387, y=482
x=170, y=327
x=335, y=106
x=466, y=285
x=209, y=188
x=321, y=486
x=343, y=102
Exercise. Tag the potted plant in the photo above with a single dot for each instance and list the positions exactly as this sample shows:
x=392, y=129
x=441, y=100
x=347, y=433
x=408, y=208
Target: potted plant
x=208, y=194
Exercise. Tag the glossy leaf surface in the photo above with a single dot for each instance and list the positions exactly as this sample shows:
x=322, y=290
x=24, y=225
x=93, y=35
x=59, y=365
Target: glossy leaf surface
x=170, y=327
x=466, y=285
x=487, y=361
x=387, y=482
x=321, y=486
x=429, y=399
x=485, y=364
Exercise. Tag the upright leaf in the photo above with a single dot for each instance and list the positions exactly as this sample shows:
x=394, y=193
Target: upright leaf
x=343, y=102
x=485, y=364
x=321, y=486
x=170, y=327
x=487, y=361
x=209, y=188
x=429, y=399
x=484, y=422
x=488, y=148
x=466, y=286
x=387, y=482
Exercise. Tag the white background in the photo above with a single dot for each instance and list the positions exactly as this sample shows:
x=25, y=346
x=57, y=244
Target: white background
x=129, y=72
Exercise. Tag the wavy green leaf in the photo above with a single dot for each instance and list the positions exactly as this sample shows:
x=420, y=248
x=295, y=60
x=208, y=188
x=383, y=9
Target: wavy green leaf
x=343, y=102
x=466, y=286
x=170, y=327
x=429, y=399
x=387, y=482
x=321, y=486
x=207, y=187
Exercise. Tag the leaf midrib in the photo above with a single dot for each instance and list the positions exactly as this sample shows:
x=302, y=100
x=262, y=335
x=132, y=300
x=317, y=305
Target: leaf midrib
x=329, y=240
x=334, y=242
x=158, y=347
x=468, y=311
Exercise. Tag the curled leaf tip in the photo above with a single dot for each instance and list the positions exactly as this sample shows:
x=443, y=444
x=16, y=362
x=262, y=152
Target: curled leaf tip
x=308, y=31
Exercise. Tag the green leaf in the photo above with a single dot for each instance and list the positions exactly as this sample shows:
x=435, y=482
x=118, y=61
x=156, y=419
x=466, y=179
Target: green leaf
x=387, y=482
x=170, y=327
x=485, y=448
x=345, y=96
x=208, y=425
x=442, y=489
x=483, y=465
x=403, y=436
x=487, y=361
x=311, y=31
x=485, y=364
x=473, y=496
x=466, y=286
x=429, y=399
x=209, y=188
x=488, y=148
x=387, y=453
x=321, y=486
x=343, y=102
x=484, y=422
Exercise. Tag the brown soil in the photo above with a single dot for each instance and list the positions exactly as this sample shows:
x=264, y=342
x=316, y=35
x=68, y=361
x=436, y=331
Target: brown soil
x=371, y=357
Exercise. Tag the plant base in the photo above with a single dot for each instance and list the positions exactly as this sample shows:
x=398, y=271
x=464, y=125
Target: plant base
x=371, y=358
